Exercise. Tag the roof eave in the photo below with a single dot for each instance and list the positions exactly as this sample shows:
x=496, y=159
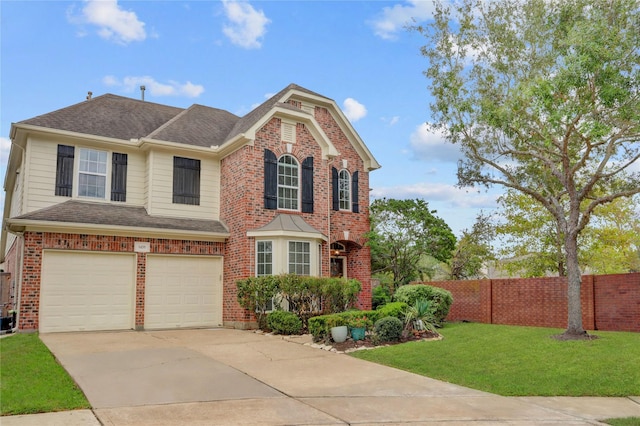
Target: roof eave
x=24, y=225
x=280, y=233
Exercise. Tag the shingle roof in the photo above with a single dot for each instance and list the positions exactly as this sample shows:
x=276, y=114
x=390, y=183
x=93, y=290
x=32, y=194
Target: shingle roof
x=74, y=211
x=288, y=223
x=108, y=116
x=126, y=118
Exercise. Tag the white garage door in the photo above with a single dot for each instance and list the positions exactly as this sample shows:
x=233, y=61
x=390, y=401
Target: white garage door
x=86, y=291
x=183, y=291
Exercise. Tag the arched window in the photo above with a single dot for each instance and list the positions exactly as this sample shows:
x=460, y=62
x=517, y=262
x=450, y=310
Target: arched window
x=344, y=189
x=288, y=183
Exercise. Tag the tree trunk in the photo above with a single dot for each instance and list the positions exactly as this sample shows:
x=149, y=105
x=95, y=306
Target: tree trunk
x=574, y=282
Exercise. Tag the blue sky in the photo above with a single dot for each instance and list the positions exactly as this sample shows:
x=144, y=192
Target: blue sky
x=233, y=55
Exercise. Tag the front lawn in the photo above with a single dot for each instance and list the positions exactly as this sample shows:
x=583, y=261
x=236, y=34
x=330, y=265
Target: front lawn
x=521, y=361
x=31, y=380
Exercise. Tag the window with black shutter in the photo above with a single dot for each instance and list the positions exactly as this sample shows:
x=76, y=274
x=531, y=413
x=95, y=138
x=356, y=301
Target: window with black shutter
x=64, y=171
x=335, y=184
x=186, y=181
x=354, y=193
x=270, y=180
x=119, y=177
x=307, y=185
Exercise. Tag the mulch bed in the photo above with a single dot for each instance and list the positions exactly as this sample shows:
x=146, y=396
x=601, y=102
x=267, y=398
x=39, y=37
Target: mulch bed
x=351, y=345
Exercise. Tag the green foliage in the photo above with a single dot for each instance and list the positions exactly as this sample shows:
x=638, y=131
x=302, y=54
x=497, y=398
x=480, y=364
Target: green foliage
x=31, y=381
x=392, y=309
x=303, y=295
x=402, y=233
x=440, y=299
x=541, y=97
x=380, y=296
x=255, y=294
x=473, y=250
x=360, y=321
x=320, y=326
x=283, y=322
x=388, y=329
x=534, y=247
x=420, y=316
x=521, y=361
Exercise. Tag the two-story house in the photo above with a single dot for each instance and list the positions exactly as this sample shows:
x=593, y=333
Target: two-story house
x=125, y=214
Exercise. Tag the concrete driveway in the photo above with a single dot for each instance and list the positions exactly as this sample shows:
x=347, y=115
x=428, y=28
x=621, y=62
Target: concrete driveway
x=232, y=377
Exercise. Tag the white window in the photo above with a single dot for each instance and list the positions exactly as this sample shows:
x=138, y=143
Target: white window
x=92, y=173
x=264, y=261
x=288, y=183
x=299, y=258
x=344, y=190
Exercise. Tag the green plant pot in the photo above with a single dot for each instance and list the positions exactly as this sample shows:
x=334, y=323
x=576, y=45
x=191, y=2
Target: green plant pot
x=357, y=333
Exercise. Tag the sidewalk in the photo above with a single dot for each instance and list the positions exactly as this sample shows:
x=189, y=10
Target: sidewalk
x=267, y=380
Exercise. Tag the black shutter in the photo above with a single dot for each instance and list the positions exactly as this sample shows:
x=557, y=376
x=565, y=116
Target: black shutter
x=118, y=177
x=64, y=171
x=334, y=187
x=307, y=185
x=270, y=180
x=355, y=205
x=186, y=181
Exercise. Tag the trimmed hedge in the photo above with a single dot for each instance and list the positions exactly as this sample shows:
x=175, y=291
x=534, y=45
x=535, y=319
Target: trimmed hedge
x=388, y=329
x=283, y=322
x=439, y=298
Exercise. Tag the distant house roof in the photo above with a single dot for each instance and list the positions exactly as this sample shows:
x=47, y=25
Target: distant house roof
x=91, y=213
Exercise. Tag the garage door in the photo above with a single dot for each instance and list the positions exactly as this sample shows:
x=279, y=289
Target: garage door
x=183, y=291
x=86, y=291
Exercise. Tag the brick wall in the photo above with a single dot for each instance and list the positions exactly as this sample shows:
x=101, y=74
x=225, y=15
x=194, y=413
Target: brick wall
x=242, y=206
x=609, y=302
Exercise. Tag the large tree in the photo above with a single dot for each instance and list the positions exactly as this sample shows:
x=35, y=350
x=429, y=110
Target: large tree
x=403, y=233
x=542, y=96
x=473, y=251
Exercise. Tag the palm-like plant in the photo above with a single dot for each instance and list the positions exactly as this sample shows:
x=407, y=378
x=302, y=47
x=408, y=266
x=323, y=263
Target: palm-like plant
x=419, y=317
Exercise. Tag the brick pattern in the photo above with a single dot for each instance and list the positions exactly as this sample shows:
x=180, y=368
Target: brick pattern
x=35, y=242
x=609, y=302
x=242, y=206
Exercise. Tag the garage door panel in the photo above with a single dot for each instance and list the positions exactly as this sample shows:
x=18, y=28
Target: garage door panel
x=86, y=291
x=183, y=291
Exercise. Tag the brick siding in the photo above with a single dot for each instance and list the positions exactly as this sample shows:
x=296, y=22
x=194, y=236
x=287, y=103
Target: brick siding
x=609, y=302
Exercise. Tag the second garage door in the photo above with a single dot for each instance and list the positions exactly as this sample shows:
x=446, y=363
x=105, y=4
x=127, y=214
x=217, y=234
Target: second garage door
x=183, y=291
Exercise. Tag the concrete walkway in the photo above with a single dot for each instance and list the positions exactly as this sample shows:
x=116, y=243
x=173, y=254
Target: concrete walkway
x=231, y=377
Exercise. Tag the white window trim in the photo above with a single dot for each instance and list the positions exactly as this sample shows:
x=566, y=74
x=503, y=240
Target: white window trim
x=298, y=188
x=76, y=174
x=348, y=190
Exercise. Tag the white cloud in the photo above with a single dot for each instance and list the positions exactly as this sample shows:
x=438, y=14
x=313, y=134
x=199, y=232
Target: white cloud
x=446, y=193
x=114, y=23
x=131, y=84
x=353, y=109
x=430, y=146
x=246, y=25
x=395, y=18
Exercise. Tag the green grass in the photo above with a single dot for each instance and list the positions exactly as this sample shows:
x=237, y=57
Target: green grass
x=627, y=421
x=521, y=361
x=32, y=381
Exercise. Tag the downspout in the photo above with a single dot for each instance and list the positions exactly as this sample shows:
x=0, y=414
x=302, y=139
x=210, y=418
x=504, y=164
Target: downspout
x=19, y=264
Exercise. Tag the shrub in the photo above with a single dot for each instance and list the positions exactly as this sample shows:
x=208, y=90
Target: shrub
x=380, y=296
x=419, y=316
x=388, y=329
x=439, y=298
x=255, y=295
x=393, y=309
x=283, y=322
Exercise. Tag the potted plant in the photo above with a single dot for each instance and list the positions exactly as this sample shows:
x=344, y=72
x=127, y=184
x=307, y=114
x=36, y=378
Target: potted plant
x=338, y=327
x=358, y=326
